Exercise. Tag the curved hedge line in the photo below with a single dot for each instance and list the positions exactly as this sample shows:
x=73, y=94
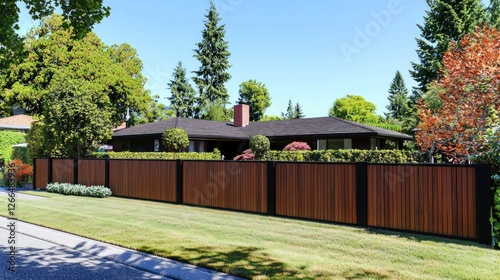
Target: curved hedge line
x=215, y=155
x=372, y=156
x=80, y=190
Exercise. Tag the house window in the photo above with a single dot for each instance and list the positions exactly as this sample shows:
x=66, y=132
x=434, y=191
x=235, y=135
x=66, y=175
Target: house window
x=334, y=144
x=374, y=143
x=196, y=146
x=157, y=145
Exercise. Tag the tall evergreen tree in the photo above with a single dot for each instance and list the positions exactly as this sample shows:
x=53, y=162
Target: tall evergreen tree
x=183, y=99
x=398, y=98
x=297, y=112
x=212, y=52
x=289, y=111
x=445, y=21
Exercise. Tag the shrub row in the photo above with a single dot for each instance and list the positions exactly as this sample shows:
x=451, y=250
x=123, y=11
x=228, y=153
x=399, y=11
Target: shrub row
x=372, y=156
x=215, y=155
x=7, y=139
x=80, y=190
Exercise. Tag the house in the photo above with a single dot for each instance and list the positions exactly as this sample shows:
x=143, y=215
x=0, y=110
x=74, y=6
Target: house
x=232, y=138
x=20, y=123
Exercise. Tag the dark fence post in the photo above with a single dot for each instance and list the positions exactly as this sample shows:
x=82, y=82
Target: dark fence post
x=483, y=204
x=271, y=188
x=34, y=173
x=49, y=164
x=361, y=194
x=75, y=171
x=106, y=172
x=179, y=189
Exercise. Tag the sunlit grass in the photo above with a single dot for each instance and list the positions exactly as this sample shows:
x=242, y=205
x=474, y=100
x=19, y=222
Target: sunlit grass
x=256, y=246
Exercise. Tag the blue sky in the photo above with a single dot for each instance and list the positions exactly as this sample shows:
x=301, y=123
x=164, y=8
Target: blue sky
x=312, y=52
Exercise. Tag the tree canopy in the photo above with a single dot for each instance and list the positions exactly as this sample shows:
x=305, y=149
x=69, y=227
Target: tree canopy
x=183, y=99
x=54, y=57
x=354, y=108
x=256, y=95
x=213, y=54
x=469, y=90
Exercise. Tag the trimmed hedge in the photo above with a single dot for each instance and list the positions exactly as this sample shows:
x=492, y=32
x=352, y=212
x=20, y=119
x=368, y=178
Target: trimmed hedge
x=215, y=155
x=80, y=190
x=7, y=140
x=372, y=156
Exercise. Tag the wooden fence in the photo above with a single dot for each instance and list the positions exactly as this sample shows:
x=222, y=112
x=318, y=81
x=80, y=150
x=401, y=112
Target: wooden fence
x=444, y=200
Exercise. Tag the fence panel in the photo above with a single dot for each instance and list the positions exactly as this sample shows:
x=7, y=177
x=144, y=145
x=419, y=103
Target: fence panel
x=41, y=173
x=92, y=172
x=146, y=179
x=231, y=185
x=317, y=191
x=430, y=199
x=63, y=171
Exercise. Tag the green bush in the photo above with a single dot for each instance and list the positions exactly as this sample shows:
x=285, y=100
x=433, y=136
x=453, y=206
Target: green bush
x=80, y=190
x=372, y=156
x=215, y=155
x=175, y=139
x=259, y=144
x=22, y=153
x=7, y=140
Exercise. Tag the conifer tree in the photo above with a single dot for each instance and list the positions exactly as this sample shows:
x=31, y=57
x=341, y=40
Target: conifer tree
x=398, y=98
x=297, y=112
x=212, y=52
x=183, y=99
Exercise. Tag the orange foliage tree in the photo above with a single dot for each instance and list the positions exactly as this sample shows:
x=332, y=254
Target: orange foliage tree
x=468, y=88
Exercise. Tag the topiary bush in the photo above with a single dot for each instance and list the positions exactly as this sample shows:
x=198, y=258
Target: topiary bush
x=79, y=190
x=215, y=155
x=297, y=146
x=175, y=139
x=260, y=145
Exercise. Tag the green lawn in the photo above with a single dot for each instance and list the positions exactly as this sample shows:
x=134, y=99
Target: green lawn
x=257, y=246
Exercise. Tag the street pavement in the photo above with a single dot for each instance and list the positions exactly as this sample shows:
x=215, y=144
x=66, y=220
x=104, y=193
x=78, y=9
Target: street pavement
x=43, y=253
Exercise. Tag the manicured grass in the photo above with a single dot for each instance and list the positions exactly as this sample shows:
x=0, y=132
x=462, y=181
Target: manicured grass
x=255, y=246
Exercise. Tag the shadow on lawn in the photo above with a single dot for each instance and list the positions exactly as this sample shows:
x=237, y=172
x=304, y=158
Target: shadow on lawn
x=248, y=262
x=420, y=237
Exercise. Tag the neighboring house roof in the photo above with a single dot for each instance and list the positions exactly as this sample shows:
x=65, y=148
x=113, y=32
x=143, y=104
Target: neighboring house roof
x=324, y=126
x=21, y=122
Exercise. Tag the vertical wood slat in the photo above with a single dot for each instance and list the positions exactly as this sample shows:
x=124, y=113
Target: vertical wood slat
x=41, y=173
x=231, y=185
x=317, y=191
x=145, y=179
x=92, y=172
x=63, y=171
x=430, y=199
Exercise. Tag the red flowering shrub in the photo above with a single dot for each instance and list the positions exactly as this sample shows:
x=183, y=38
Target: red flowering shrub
x=23, y=172
x=247, y=155
x=297, y=146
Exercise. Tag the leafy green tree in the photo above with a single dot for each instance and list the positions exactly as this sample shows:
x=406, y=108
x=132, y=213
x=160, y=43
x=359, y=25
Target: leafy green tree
x=354, y=108
x=183, y=99
x=81, y=15
x=213, y=54
x=54, y=57
x=494, y=13
x=445, y=21
x=156, y=112
x=256, y=95
x=218, y=112
x=260, y=145
x=398, y=98
x=74, y=121
x=175, y=139
x=297, y=112
x=267, y=118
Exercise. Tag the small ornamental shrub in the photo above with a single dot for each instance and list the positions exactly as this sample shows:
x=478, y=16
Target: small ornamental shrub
x=260, y=145
x=23, y=173
x=175, y=139
x=297, y=146
x=80, y=190
x=247, y=155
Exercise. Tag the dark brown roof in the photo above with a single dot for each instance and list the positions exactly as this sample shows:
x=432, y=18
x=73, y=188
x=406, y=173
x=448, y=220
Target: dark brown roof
x=325, y=126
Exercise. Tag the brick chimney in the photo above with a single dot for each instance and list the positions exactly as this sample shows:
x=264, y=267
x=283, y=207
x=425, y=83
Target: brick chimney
x=241, y=115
